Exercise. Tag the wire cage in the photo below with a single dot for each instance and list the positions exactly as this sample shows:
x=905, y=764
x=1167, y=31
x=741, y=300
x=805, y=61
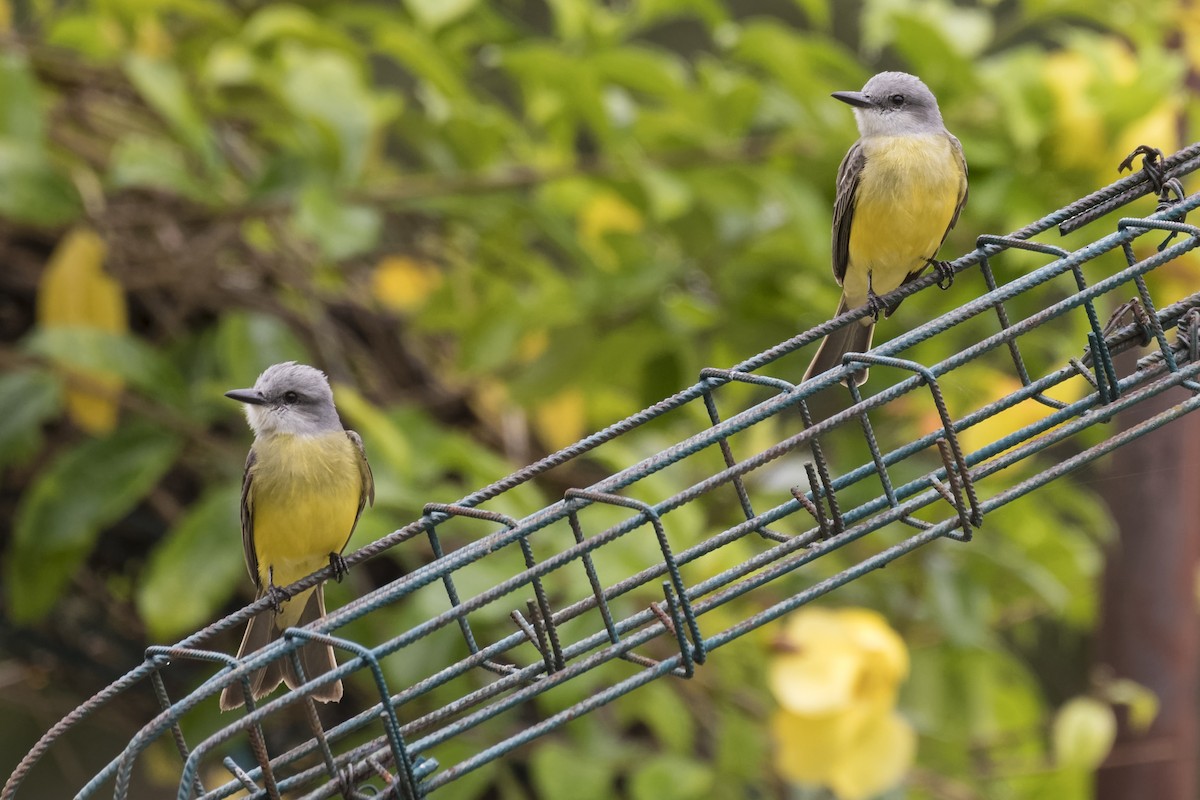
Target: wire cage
x=625, y=573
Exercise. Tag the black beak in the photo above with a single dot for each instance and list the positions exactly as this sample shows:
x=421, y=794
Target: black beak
x=856, y=99
x=251, y=396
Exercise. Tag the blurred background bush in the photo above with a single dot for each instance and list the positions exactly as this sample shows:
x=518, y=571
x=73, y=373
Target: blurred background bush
x=500, y=226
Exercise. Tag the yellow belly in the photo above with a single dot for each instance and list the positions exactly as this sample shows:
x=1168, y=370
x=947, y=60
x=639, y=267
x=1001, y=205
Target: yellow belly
x=906, y=197
x=306, y=492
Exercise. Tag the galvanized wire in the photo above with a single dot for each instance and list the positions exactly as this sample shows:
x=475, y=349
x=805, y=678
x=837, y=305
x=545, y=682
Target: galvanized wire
x=652, y=619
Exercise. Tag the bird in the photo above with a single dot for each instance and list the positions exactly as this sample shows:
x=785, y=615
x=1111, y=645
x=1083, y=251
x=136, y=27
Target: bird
x=305, y=484
x=900, y=189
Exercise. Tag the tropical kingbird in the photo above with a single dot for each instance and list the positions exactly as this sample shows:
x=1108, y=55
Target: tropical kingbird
x=306, y=482
x=900, y=190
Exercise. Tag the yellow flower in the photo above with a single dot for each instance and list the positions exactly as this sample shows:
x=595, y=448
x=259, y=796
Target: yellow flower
x=836, y=680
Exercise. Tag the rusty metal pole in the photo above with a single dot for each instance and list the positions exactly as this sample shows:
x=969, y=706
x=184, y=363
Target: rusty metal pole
x=1148, y=630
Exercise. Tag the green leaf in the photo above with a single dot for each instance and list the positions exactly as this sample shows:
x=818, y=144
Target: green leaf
x=819, y=12
x=559, y=770
x=743, y=746
x=642, y=69
x=229, y=63
x=671, y=778
x=91, y=34
x=20, y=104
x=661, y=708
x=669, y=197
x=434, y=14
x=416, y=52
x=324, y=87
x=281, y=21
x=339, y=229
x=247, y=343
x=953, y=599
x=28, y=398
x=250, y=342
x=139, y=364
x=31, y=189
x=196, y=567
x=653, y=12
x=144, y=161
x=571, y=18
x=164, y=88
x=70, y=502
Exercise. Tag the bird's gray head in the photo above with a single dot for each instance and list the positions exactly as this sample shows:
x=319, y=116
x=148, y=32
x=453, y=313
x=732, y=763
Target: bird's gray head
x=289, y=398
x=894, y=104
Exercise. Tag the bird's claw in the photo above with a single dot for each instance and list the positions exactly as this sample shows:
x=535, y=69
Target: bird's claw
x=339, y=566
x=275, y=597
x=875, y=304
x=945, y=272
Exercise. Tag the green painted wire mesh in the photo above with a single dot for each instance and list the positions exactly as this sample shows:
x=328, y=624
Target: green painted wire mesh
x=766, y=495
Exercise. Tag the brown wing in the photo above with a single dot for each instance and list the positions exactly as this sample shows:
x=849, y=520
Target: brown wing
x=956, y=146
x=248, y=518
x=367, y=493
x=843, y=208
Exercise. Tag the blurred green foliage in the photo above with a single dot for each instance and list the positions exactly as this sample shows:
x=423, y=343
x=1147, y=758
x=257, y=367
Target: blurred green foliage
x=500, y=226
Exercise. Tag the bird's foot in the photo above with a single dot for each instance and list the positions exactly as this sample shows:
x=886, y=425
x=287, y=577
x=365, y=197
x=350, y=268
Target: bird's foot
x=945, y=272
x=275, y=597
x=339, y=565
x=875, y=304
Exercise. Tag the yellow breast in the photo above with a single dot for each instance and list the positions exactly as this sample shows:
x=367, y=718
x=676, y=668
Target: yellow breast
x=305, y=496
x=907, y=193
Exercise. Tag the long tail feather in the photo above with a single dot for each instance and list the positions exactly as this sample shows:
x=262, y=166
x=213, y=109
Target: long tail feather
x=316, y=658
x=853, y=338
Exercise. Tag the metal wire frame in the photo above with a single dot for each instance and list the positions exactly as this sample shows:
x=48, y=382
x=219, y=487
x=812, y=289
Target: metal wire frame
x=387, y=747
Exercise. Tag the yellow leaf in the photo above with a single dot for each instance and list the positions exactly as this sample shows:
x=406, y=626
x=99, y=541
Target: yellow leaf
x=604, y=213
x=1189, y=26
x=404, y=284
x=151, y=38
x=997, y=385
x=5, y=16
x=1078, y=132
x=532, y=344
x=1159, y=128
x=1076, y=78
x=1178, y=277
x=75, y=292
x=561, y=420
x=608, y=213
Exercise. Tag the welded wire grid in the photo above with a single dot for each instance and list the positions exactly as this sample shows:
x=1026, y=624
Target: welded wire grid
x=567, y=608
